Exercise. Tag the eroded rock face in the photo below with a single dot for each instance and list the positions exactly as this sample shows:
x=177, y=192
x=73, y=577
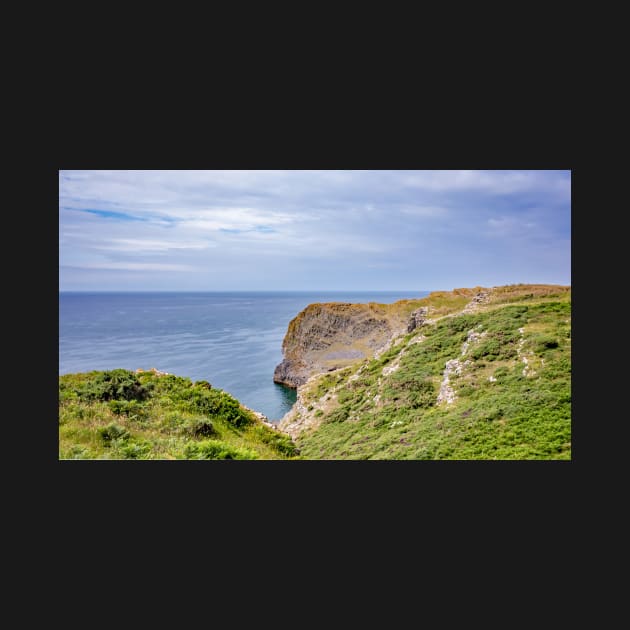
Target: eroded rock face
x=417, y=318
x=328, y=336
x=291, y=373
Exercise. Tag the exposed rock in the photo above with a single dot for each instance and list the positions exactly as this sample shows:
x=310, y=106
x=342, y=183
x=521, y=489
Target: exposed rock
x=447, y=394
x=325, y=337
x=457, y=367
x=261, y=417
x=153, y=371
x=472, y=337
x=291, y=373
x=481, y=297
x=527, y=370
x=308, y=414
x=299, y=418
x=417, y=318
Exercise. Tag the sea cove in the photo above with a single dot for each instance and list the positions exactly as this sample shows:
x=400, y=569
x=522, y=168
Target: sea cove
x=231, y=339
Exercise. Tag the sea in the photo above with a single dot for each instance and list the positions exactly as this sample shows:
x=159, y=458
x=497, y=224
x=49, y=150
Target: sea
x=233, y=340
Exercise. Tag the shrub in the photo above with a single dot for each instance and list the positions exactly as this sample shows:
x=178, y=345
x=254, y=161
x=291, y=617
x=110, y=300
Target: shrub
x=460, y=324
x=130, y=408
x=213, y=402
x=172, y=383
x=339, y=415
x=214, y=449
x=174, y=420
x=279, y=441
x=414, y=391
x=494, y=413
x=542, y=343
x=136, y=450
x=113, y=432
x=199, y=427
x=501, y=373
x=113, y=385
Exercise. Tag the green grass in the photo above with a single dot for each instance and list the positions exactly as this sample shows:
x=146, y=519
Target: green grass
x=121, y=415
x=511, y=417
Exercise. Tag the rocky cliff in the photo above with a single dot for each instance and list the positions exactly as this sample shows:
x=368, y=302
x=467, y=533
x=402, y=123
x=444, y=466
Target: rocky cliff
x=325, y=337
x=482, y=373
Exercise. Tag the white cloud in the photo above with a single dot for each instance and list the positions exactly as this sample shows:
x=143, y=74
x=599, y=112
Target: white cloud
x=284, y=221
x=138, y=266
x=145, y=245
x=424, y=211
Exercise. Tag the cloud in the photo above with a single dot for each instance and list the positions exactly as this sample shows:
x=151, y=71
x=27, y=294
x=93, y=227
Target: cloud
x=424, y=211
x=300, y=229
x=144, y=245
x=136, y=266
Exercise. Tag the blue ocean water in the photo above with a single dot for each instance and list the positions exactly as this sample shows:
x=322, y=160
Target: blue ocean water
x=232, y=339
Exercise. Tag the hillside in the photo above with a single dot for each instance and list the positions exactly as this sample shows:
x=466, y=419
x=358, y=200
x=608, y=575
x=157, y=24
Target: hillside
x=483, y=373
x=120, y=414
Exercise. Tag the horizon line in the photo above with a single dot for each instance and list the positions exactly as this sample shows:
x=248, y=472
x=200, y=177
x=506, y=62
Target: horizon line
x=244, y=290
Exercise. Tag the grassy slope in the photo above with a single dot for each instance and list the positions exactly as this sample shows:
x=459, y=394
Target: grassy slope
x=499, y=412
x=120, y=415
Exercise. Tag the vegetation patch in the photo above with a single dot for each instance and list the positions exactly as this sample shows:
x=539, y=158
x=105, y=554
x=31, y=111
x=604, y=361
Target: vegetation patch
x=122, y=415
x=214, y=449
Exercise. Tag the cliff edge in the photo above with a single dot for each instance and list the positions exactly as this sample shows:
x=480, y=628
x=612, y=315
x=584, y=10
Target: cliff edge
x=328, y=336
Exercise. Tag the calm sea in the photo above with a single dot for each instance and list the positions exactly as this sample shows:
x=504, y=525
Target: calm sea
x=233, y=340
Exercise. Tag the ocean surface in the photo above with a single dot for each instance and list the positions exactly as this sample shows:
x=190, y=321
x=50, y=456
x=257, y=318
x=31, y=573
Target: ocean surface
x=232, y=339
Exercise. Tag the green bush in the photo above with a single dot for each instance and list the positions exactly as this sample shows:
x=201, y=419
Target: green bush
x=460, y=324
x=173, y=420
x=212, y=402
x=199, y=427
x=113, y=432
x=542, y=343
x=133, y=409
x=412, y=390
x=113, y=385
x=279, y=441
x=169, y=383
x=339, y=415
x=136, y=450
x=501, y=373
x=214, y=449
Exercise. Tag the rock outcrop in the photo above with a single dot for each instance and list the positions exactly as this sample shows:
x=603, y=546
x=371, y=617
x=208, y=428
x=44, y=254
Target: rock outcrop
x=325, y=337
x=417, y=318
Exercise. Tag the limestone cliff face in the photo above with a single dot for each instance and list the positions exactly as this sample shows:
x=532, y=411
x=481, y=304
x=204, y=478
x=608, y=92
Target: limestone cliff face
x=325, y=337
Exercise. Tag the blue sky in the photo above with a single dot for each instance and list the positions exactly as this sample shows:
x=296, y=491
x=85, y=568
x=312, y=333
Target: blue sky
x=312, y=230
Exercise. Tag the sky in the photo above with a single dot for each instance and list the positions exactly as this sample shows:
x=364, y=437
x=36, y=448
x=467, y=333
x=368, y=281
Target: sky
x=312, y=230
